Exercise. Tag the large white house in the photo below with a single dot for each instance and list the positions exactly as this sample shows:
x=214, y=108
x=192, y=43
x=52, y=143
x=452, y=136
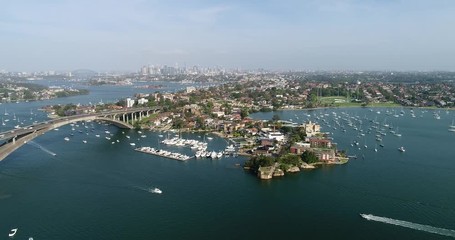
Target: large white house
x=275, y=135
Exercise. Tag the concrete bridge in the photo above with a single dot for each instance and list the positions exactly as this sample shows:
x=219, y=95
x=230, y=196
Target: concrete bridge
x=15, y=138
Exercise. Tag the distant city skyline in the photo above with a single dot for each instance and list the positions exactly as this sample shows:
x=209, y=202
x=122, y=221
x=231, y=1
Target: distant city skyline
x=398, y=35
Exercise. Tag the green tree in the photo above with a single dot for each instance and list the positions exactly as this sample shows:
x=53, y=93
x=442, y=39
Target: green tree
x=309, y=157
x=259, y=161
x=178, y=123
x=290, y=159
x=244, y=113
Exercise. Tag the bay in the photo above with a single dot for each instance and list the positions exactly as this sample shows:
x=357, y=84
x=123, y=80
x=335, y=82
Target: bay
x=98, y=190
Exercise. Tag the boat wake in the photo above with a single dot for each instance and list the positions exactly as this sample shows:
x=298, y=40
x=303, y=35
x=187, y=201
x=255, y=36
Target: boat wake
x=415, y=226
x=42, y=148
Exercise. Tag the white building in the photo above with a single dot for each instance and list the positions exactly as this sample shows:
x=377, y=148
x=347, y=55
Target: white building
x=141, y=101
x=129, y=102
x=275, y=135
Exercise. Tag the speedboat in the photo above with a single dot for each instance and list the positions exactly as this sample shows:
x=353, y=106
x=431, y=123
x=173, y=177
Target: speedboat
x=156, y=190
x=401, y=149
x=13, y=232
x=366, y=216
x=66, y=139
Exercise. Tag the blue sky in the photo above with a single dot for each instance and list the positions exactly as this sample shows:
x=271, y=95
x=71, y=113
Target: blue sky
x=280, y=35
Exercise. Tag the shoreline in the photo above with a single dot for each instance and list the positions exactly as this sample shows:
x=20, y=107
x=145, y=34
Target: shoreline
x=332, y=107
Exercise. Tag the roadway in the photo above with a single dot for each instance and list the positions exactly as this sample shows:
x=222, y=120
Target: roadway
x=7, y=135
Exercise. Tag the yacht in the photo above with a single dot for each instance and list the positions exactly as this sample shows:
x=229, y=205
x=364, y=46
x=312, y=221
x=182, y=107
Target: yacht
x=230, y=148
x=156, y=190
x=401, y=149
x=13, y=232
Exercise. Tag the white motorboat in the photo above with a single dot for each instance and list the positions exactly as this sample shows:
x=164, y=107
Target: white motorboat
x=13, y=232
x=401, y=149
x=66, y=139
x=156, y=190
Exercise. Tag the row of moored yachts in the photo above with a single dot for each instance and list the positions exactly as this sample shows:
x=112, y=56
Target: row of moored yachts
x=163, y=153
x=181, y=142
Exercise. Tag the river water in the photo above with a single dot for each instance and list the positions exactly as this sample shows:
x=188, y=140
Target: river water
x=99, y=190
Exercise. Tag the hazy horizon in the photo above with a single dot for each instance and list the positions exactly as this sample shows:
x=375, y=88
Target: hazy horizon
x=398, y=35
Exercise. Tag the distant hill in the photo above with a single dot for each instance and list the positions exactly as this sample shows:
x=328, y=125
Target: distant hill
x=83, y=73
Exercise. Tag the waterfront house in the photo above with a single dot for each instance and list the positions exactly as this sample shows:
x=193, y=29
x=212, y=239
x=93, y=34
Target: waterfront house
x=275, y=135
x=311, y=129
x=320, y=143
x=325, y=155
x=299, y=147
